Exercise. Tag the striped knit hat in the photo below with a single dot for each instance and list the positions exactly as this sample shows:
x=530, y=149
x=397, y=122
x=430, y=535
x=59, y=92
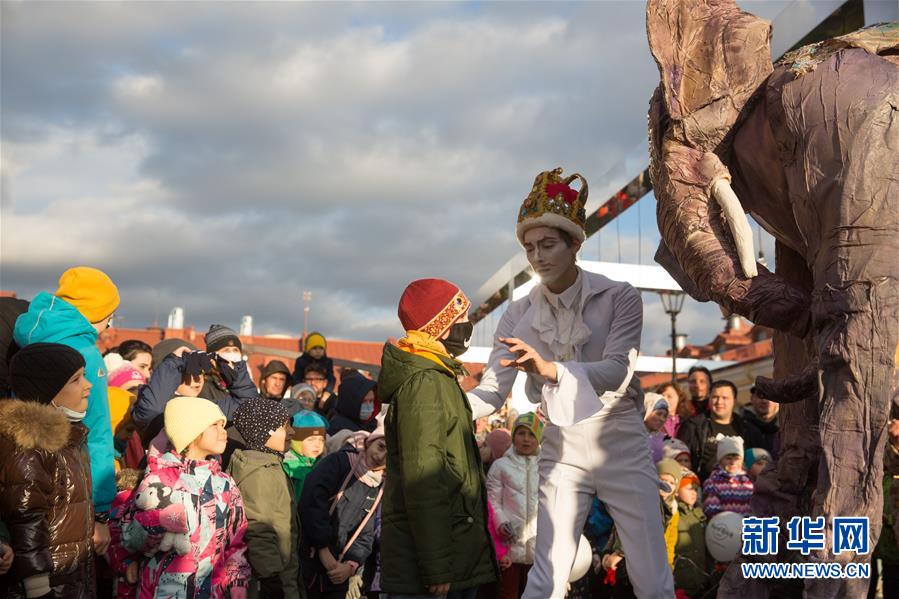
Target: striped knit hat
x=220, y=336
x=532, y=422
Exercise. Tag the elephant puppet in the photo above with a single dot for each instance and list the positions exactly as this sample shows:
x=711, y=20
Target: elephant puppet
x=810, y=147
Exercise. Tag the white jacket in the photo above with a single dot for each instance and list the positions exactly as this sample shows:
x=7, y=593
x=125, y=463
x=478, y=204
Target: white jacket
x=603, y=368
x=512, y=485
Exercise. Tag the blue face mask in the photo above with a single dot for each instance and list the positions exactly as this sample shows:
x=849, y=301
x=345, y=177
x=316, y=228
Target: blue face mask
x=366, y=411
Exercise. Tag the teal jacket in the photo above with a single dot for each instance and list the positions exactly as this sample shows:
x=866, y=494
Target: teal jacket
x=52, y=320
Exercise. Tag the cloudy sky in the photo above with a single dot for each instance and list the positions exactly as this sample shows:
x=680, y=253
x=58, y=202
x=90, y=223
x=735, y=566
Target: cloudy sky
x=225, y=157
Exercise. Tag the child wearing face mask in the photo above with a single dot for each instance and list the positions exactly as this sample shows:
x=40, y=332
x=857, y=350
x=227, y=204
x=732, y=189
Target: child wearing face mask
x=268, y=497
x=191, y=496
x=340, y=499
x=184, y=373
x=512, y=489
x=79, y=310
x=357, y=405
x=45, y=496
x=728, y=488
x=230, y=377
x=306, y=447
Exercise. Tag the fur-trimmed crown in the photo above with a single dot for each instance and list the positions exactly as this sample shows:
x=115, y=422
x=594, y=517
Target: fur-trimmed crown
x=33, y=425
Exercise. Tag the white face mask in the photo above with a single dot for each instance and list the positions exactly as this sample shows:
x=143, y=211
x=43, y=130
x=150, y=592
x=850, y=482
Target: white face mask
x=71, y=415
x=366, y=411
x=232, y=356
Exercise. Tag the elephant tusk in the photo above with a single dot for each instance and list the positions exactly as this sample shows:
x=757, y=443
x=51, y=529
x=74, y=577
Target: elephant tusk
x=738, y=223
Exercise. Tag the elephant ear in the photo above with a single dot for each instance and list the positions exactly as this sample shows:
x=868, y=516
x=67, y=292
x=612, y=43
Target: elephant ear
x=712, y=58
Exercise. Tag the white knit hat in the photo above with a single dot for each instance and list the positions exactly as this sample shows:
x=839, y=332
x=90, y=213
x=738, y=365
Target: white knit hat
x=653, y=402
x=729, y=446
x=187, y=417
x=671, y=448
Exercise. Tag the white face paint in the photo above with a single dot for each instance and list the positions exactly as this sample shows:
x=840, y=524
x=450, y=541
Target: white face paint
x=547, y=253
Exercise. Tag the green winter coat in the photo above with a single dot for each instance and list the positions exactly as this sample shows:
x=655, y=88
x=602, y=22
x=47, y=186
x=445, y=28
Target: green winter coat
x=691, y=571
x=272, y=535
x=434, y=511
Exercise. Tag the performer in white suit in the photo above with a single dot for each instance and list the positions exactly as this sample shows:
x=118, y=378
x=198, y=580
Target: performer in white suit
x=577, y=335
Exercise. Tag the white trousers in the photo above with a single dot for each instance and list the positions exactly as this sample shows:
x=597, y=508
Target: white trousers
x=607, y=456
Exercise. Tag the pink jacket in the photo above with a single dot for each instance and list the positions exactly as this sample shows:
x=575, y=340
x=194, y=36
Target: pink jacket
x=501, y=548
x=216, y=523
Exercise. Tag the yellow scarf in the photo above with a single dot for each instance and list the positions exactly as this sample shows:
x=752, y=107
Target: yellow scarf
x=421, y=344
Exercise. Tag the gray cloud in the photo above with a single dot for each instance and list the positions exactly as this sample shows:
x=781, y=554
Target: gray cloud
x=224, y=157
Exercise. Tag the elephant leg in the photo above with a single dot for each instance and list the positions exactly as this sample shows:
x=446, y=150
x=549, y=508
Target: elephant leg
x=844, y=124
x=857, y=352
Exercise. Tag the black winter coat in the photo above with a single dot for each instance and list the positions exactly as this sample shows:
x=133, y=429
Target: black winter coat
x=353, y=390
x=768, y=432
x=697, y=429
x=319, y=529
x=10, y=309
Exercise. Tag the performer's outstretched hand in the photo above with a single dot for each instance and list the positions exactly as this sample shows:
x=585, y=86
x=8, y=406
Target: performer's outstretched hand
x=528, y=360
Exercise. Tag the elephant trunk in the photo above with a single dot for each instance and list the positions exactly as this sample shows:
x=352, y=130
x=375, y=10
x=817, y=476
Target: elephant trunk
x=710, y=240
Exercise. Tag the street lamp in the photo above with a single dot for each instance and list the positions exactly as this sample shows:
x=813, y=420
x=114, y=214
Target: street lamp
x=673, y=302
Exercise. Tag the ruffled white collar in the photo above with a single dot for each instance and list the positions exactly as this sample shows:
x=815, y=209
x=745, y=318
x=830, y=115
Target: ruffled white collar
x=559, y=319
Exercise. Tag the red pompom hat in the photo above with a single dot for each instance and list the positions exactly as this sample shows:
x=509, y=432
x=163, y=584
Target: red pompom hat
x=432, y=306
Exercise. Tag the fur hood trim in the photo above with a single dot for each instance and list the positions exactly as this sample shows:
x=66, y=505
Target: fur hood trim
x=32, y=425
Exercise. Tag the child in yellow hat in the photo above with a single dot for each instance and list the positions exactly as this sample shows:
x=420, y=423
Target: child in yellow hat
x=81, y=308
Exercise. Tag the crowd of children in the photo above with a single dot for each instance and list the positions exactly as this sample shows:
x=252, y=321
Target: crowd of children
x=189, y=480
x=222, y=488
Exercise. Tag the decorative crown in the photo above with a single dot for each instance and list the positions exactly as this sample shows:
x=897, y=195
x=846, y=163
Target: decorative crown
x=552, y=197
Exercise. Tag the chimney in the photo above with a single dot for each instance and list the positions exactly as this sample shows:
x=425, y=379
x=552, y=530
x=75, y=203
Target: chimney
x=246, y=326
x=176, y=318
